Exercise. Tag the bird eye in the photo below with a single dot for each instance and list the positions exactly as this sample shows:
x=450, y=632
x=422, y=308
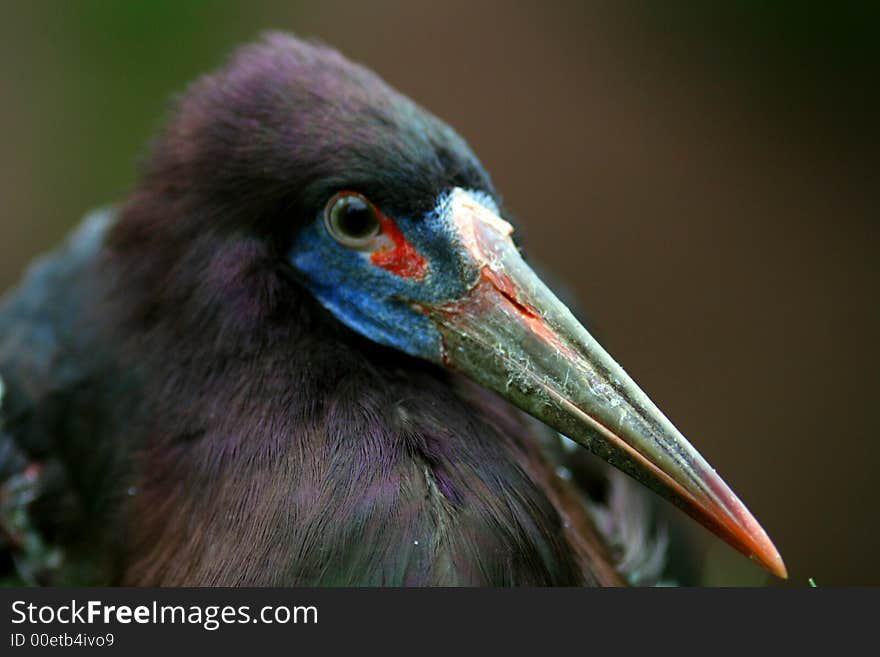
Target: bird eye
x=352, y=220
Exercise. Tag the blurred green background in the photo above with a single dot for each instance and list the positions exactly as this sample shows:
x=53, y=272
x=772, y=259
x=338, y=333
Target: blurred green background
x=703, y=177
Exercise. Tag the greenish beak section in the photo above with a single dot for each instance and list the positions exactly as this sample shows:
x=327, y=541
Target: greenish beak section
x=511, y=334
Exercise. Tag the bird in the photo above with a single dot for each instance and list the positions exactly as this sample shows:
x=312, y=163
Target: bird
x=306, y=350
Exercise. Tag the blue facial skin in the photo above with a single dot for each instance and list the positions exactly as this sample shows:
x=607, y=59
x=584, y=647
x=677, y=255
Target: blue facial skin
x=377, y=303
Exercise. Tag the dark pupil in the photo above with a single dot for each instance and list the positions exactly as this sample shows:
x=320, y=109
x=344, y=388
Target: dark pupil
x=356, y=219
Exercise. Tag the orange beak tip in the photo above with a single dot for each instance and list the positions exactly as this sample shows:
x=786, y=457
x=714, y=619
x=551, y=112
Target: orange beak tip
x=762, y=551
x=774, y=564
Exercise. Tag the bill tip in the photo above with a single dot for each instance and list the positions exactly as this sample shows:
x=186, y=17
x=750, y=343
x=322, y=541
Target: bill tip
x=772, y=562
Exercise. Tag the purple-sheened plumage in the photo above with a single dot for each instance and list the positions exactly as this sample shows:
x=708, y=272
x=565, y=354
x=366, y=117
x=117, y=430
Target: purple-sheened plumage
x=194, y=415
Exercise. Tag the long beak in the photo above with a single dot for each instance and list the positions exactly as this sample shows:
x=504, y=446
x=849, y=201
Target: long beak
x=511, y=334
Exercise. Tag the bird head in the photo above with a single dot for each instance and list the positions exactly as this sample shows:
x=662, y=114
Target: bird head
x=383, y=215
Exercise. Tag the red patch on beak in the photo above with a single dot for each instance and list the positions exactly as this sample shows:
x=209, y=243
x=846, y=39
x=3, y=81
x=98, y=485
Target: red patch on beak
x=398, y=255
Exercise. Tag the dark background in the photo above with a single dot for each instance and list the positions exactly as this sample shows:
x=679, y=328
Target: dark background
x=704, y=178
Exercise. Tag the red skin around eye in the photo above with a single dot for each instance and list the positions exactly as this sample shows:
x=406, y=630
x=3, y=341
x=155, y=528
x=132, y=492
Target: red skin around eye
x=402, y=259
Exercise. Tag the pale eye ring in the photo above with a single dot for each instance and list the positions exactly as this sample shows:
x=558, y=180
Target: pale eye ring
x=352, y=220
